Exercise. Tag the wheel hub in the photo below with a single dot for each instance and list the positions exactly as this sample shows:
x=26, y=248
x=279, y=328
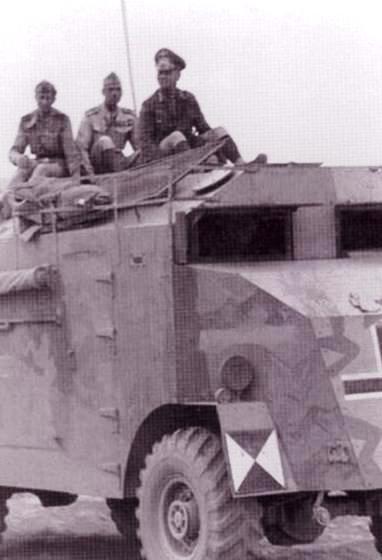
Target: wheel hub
x=183, y=519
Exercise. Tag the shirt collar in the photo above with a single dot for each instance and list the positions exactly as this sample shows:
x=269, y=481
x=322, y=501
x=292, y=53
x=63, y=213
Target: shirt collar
x=174, y=94
x=109, y=113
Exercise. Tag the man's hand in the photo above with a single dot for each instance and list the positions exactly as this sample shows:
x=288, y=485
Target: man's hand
x=24, y=162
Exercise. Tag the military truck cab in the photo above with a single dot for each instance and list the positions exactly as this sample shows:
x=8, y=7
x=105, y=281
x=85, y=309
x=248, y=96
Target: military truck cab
x=205, y=349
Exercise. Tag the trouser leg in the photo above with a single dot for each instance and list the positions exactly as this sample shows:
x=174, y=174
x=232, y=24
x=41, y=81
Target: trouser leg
x=113, y=161
x=102, y=155
x=229, y=150
x=120, y=162
x=106, y=158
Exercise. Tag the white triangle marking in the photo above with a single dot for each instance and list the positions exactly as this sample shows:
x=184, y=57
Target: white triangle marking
x=241, y=462
x=269, y=459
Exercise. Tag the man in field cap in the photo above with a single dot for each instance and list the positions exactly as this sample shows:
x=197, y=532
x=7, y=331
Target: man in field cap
x=105, y=131
x=171, y=120
x=48, y=134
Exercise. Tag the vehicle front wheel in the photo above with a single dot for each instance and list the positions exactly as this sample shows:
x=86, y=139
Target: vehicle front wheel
x=185, y=505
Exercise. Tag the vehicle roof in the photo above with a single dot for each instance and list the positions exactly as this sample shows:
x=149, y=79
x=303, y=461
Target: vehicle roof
x=300, y=185
x=189, y=183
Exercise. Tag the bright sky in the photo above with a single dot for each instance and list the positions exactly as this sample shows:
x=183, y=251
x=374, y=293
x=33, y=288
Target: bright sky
x=300, y=81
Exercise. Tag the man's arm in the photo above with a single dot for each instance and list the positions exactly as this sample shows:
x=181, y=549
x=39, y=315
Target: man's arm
x=198, y=120
x=146, y=143
x=16, y=153
x=83, y=141
x=72, y=154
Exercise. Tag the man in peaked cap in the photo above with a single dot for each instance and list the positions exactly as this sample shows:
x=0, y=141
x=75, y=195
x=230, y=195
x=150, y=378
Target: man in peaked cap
x=105, y=131
x=171, y=120
x=48, y=133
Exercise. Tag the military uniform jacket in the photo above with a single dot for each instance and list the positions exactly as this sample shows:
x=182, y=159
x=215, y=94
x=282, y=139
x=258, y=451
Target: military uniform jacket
x=49, y=136
x=97, y=122
x=162, y=114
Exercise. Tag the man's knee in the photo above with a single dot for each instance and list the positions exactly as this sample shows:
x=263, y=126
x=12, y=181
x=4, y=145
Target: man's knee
x=102, y=155
x=103, y=143
x=174, y=142
x=48, y=170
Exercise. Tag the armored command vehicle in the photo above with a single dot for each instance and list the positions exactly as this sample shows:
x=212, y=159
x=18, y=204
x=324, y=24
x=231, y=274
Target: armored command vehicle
x=201, y=347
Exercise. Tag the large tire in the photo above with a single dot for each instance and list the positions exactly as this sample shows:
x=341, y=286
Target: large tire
x=185, y=505
x=376, y=531
x=293, y=524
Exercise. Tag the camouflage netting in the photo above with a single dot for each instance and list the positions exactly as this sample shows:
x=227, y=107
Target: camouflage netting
x=63, y=204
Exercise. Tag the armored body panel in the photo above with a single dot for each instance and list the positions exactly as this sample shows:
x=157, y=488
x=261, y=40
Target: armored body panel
x=288, y=315
x=242, y=303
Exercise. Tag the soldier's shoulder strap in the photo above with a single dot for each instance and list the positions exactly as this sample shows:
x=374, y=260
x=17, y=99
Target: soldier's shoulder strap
x=93, y=111
x=29, y=119
x=186, y=94
x=154, y=98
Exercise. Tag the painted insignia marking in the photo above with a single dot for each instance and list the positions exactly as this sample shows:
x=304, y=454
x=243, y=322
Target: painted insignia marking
x=255, y=461
x=366, y=385
x=241, y=462
x=269, y=458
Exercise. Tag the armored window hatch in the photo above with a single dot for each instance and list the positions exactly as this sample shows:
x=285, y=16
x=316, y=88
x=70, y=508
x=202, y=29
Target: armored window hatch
x=240, y=234
x=359, y=228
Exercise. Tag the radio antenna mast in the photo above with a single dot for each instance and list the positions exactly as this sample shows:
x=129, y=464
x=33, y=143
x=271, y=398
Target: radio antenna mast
x=129, y=65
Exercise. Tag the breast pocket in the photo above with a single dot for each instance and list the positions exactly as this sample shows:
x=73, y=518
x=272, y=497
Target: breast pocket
x=50, y=140
x=121, y=132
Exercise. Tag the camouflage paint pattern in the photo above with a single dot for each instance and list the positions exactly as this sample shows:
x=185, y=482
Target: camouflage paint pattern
x=127, y=329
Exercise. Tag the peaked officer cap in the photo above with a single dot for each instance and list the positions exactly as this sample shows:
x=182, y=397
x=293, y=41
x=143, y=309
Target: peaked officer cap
x=112, y=77
x=174, y=58
x=45, y=87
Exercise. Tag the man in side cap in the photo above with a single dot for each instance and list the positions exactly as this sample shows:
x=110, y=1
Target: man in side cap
x=171, y=120
x=105, y=131
x=48, y=133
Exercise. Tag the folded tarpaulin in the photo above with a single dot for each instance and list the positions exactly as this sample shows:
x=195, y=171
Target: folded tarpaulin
x=66, y=204
x=35, y=278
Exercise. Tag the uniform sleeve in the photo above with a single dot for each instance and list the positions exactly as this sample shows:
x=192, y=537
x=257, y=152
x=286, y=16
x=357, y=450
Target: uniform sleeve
x=145, y=134
x=83, y=141
x=72, y=154
x=198, y=120
x=19, y=145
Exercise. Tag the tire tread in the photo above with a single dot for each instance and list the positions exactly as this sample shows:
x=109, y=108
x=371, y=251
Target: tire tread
x=234, y=528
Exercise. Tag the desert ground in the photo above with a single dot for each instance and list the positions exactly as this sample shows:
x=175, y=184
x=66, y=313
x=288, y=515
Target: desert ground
x=84, y=531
